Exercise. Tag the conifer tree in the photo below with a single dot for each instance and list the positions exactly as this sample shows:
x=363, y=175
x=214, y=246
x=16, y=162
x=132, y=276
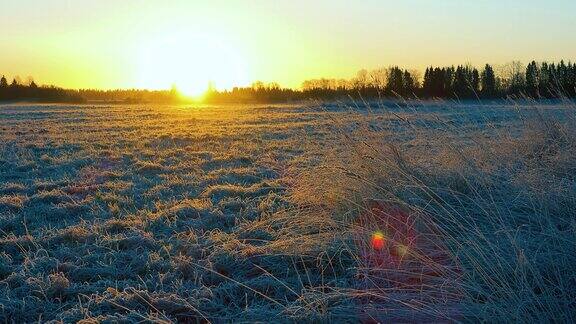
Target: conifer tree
x=532, y=79
x=475, y=81
x=488, y=81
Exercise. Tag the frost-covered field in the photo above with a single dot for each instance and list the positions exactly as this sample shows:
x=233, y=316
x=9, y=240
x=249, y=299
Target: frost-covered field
x=266, y=213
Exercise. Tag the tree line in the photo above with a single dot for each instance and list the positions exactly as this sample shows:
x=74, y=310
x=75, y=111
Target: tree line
x=535, y=80
x=18, y=90
x=130, y=96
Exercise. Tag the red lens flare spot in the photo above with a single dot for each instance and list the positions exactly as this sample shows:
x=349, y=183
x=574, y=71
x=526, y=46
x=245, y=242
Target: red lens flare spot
x=378, y=241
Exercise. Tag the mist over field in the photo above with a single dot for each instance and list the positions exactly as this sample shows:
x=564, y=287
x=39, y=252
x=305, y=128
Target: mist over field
x=381, y=211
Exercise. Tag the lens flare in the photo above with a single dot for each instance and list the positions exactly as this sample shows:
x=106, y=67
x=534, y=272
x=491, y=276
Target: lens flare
x=401, y=250
x=378, y=240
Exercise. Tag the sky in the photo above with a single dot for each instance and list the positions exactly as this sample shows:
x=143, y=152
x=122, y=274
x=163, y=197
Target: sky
x=154, y=44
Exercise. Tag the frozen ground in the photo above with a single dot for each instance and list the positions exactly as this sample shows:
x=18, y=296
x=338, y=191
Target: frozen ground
x=228, y=213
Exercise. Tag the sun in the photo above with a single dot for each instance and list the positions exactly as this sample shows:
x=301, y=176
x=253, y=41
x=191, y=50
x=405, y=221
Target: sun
x=191, y=62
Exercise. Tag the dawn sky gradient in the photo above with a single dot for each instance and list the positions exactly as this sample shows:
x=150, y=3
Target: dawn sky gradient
x=111, y=44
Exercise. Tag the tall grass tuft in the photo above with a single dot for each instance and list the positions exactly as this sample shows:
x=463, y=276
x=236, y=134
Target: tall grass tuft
x=452, y=216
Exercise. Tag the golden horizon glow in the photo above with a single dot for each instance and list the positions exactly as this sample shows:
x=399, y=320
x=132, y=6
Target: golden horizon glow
x=190, y=62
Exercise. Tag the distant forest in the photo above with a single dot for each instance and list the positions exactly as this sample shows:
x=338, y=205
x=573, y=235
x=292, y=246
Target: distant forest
x=29, y=91
x=535, y=80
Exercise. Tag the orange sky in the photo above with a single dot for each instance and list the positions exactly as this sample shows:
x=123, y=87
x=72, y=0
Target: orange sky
x=154, y=44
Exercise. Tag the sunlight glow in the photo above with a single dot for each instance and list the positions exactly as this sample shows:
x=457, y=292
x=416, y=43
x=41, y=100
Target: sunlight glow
x=110, y=44
x=190, y=63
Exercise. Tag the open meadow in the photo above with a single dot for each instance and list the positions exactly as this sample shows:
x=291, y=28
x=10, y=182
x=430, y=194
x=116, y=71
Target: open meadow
x=381, y=211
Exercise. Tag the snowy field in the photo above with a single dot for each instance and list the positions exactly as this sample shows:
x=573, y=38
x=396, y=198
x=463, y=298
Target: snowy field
x=270, y=213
